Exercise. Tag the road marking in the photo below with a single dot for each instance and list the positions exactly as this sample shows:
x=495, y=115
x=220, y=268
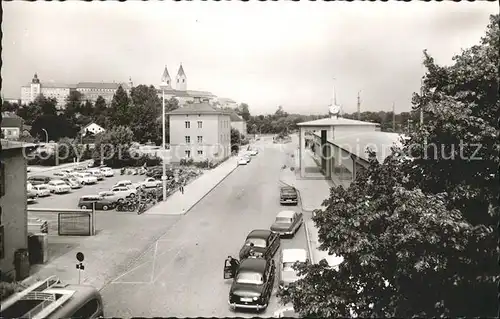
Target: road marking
x=154, y=261
x=130, y=282
x=165, y=266
x=129, y=271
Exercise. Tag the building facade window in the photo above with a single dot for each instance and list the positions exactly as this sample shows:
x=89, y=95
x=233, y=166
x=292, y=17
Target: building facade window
x=200, y=152
x=188, y=124
x=187, y=139
x=187, y=153
x=200, y=124
x=200, y=139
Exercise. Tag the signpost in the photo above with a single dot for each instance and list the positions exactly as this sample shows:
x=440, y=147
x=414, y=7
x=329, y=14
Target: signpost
x=80, y=257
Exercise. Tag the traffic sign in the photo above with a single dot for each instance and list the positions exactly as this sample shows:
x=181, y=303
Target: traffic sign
x=79, y=256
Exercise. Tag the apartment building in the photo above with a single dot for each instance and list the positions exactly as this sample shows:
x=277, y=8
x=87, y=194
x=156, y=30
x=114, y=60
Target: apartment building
x=200, y=132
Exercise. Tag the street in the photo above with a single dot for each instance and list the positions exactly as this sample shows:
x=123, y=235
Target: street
x=181, y=274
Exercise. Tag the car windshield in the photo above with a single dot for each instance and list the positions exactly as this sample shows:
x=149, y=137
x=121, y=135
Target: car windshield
x=284, y=220
x=249, y=278
x=41, y=187
x=257, y=242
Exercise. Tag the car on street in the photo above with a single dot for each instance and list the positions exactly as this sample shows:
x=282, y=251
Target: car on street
x=260, y=243
x=72, y=182
x=41, y=190
x=124, y=191
x=288, y=195
x=37, y=226
x=101, y=203
x=252, y=285
x=288, y=258
x=128, y=184
x=286, y=312
x=242, y=161
x=58, y=186
x=248, y=157
x=107, y=171
x=113, y=196
x=31, y=197
x=252, y=151
x=85, y=178
x=96, y=173
x=151, y=182
x=39, y=179
x=287, y=223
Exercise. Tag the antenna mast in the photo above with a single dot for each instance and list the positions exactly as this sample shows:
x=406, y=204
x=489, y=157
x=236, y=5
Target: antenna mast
x=359, y=106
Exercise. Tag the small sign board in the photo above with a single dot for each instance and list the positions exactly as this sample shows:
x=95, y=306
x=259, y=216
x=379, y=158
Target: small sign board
x=74, y=224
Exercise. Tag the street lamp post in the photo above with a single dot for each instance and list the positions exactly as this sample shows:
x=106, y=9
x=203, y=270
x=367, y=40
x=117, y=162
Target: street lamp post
x=46, y=135
x=164, y=175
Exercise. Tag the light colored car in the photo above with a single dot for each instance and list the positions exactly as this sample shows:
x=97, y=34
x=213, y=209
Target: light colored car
x=113, y=196
x=96, y=173
x=29, y=186
x=41, y=190
x=151, y=182
x=128, y=184
x=243, y=161
x=72, y=182
x=286, y=312
x=107, y=171
x=288, y=258
x=248, y=157
x=85, y=178
x=124, y=191
x=287, y=223
x=61, y=174
x=58, y=187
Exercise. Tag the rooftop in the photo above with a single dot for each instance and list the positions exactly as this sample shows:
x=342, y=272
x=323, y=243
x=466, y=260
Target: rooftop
x=197, y=108
x=100, y=85
x=226, y=100
x=253, y=264
x=235, y=117
x=286, y=213
x=259, y=233
x=335, y=122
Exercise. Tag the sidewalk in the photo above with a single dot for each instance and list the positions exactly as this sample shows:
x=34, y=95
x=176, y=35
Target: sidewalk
x=180, y=204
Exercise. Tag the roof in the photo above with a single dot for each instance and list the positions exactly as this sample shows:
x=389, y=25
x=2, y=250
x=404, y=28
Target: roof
x=100, y=85
x=286, y=214
x=287, y=187
x=200, y=93
x=253, y=264
x=294, y=254
x=235, y=117
x=165, y=77
x=82, y=292
x=94, y=123
x=53, y=85
x=197, y=108
x=226, y=100
x=259, y=233
x=380, y=142
x=181, y=71
x=335, y=122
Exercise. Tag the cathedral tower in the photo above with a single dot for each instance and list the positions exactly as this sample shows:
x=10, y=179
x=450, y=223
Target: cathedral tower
x=181, y=80
x=36, y=89
x=165, y=79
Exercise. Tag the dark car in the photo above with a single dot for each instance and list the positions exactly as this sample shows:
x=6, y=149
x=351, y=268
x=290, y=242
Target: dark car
x=288, y=195
x=287, y=223
x=253, y=284
x=265, y=244
x=101, y=203
x=38, y=180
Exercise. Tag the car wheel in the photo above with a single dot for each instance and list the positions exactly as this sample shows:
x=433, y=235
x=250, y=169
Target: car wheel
x=120, y=200
x=105, y=207
x=83, y=207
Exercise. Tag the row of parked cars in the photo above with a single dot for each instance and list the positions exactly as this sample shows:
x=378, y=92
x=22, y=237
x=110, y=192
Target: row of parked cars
x=247, y=157
x=64, y=181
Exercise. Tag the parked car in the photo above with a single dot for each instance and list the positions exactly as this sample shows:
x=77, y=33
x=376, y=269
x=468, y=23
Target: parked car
x=107, y=171
x=248, y=157
x=124, y=191
x=61, y=175
x=287, y=223
x=96, y=173
x=41, y=190
x=127, y=183
x=37, y=226
x=72, y=182
x=101, y=203
x=85, y=178
x=31, y=197
x=253, y=284
x=243, y=161
x=113, y=196
x=28, y=169
x=265, y=244
x=58, y=187
x=37, y=180
x=288, y=258
x=151, y=182
x=288, y=195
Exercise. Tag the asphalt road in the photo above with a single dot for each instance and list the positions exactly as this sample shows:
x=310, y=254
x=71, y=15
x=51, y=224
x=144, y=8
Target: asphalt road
x=70, y=200
x=181, y=274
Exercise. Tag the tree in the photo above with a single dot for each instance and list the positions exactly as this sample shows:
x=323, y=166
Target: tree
x=73, y=104
x=120, y=108
x=145, y=102
x=100, y=115
x=236, y=139
x=416, y=235
x=9, y=107
x=112, y=146
x=87, y=109
x=243, y=111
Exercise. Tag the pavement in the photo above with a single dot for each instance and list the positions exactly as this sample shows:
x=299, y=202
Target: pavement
x=181, y=272
x=179, y=203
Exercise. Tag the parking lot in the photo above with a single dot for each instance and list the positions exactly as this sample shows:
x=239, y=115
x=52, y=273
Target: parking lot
x=70, y=200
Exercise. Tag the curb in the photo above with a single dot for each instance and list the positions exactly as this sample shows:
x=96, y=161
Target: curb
x=208, y=192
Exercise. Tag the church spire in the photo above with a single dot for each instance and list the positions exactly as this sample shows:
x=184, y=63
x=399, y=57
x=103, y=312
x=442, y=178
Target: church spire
x=181, y=71
x=165, y=77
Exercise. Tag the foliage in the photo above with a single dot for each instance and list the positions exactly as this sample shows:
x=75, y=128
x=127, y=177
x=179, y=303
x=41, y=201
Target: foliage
x=416, y=233
x=112, y=146
x=145, y=102
x=120, y=108
x=201, y=164
x=101, y=113
x=73, y=104
x=243, y=111
x=8, y=286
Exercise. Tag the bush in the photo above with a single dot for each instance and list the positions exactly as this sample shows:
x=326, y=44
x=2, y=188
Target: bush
x=184, y=162
x=9, y=286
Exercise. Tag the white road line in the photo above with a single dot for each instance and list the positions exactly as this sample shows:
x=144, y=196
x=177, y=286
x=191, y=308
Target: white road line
x=129, y=271
x=154, y=261
x=131, y=282
x=165, y=266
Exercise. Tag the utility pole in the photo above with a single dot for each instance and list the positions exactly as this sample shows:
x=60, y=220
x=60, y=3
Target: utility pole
x=393, y=117
x=359, y=105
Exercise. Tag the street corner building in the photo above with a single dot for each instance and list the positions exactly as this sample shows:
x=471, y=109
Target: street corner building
x=199, y=132
x=13, y=203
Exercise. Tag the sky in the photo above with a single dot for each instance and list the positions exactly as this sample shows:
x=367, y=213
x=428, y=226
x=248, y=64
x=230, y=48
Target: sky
x=265, y=54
